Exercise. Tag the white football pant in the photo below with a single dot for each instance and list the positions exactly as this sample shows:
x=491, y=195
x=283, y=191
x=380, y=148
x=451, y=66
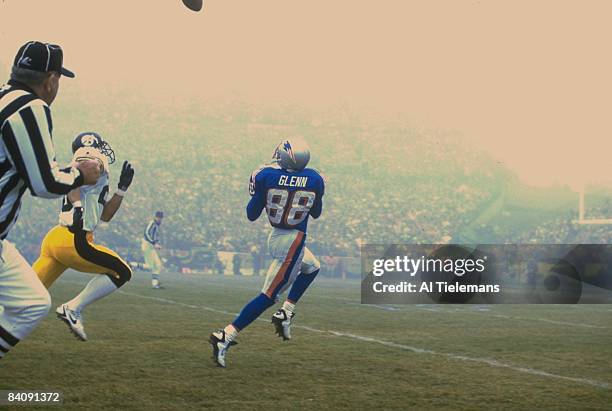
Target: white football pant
x=290, y=258
x=24, y=300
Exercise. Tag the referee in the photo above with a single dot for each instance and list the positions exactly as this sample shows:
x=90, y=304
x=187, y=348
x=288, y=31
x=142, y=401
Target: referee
x=27, y=161
x=151, y=242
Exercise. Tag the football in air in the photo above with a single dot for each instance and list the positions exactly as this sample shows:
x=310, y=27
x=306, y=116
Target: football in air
x=195, y=5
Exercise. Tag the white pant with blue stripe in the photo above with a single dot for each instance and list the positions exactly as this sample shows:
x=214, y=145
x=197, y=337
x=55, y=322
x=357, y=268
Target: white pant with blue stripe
x=290, y=258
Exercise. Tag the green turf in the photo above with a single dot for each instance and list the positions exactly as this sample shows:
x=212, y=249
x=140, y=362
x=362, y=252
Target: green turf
x=148, y=350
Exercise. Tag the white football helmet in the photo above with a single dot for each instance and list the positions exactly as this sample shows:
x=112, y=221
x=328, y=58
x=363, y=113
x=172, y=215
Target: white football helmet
x=292, y=154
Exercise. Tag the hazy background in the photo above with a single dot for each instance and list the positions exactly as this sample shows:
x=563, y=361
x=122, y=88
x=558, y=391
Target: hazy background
x=528, y=81
x=432, y=119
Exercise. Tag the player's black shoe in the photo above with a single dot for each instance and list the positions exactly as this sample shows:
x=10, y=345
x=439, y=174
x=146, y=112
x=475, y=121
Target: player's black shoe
x=220, y=345
x=282, y=323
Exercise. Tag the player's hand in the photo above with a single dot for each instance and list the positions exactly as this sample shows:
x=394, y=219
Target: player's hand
x=158, y=246
x=90, y=170
x=126, y=177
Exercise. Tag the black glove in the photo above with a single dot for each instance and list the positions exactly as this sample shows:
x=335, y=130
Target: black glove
x=127, y=174
x=77, y=220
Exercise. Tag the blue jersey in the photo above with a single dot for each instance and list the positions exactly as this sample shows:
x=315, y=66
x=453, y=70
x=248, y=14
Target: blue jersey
x=288, y=197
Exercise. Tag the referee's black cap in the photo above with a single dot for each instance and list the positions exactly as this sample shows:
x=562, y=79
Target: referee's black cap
x=42, y=57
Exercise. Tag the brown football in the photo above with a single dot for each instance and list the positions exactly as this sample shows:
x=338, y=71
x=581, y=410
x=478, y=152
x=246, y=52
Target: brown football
x=195, y=5
x=97, y=160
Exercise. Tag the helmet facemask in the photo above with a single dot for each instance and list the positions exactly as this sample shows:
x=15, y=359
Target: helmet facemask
x=108, y=151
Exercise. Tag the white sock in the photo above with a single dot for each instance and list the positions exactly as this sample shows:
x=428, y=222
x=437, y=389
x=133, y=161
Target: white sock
x=230, y=333
x=100, y=286
x=288, y=307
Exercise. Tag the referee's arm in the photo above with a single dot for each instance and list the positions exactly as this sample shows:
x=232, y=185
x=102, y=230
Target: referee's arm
x=27, y=136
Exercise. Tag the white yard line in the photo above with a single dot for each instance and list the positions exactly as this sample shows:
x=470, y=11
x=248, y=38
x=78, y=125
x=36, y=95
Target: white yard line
x=256, y=287
x=417, y=350
x=377, y=306
x=545, y=320
x=478, y=311
x=428, y=307
x=423, y=307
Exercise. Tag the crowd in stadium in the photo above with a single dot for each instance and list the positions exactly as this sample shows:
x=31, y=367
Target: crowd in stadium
x=194, y=162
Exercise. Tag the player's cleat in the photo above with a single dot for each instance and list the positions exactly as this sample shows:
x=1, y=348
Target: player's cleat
x=220, y=346
x=158, y=287
x=282, y=323
x=73, y=320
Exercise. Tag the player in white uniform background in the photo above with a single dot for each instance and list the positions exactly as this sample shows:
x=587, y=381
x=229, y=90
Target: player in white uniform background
x=70, y=244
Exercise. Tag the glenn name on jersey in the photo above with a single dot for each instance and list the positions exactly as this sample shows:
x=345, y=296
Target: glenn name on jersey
x=288, y=197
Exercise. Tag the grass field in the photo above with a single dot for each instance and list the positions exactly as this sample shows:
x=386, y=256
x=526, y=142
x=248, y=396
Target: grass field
x=148, y=349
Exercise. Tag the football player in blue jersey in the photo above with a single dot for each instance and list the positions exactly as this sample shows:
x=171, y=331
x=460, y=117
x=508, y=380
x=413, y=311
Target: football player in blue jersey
x=290, y=193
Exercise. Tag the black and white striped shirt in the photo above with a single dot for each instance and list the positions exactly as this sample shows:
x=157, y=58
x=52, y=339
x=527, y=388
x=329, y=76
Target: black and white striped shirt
x=27, y=156
x=152, y=233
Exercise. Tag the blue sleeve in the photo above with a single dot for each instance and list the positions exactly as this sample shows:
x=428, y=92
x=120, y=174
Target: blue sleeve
x=317, y=208
x=258, y=198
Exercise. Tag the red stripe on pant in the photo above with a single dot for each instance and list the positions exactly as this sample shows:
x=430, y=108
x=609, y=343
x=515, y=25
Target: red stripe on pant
x=280, y=275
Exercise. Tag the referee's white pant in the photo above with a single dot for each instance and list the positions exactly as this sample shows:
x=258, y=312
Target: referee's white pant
x=24, y=301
